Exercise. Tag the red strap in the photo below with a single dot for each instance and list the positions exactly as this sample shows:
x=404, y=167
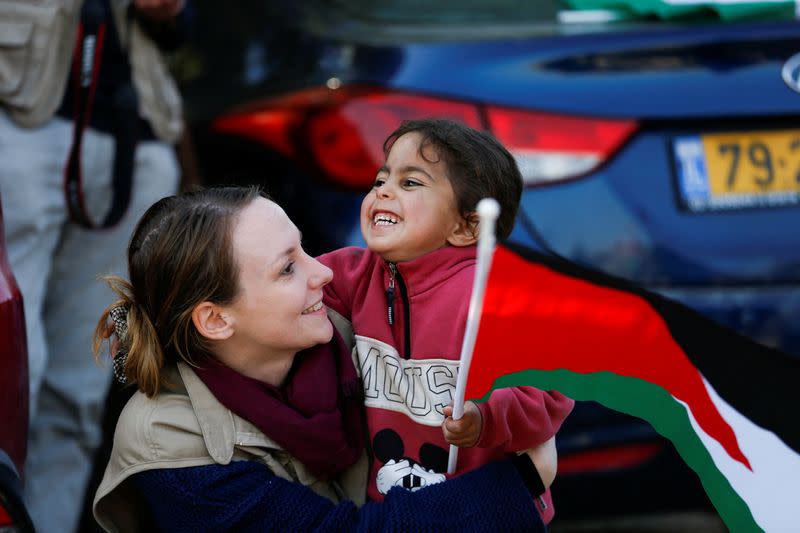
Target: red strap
x=86, y=73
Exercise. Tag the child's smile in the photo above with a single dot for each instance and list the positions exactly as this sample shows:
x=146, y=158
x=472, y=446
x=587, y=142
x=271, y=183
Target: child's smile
x=385, y=219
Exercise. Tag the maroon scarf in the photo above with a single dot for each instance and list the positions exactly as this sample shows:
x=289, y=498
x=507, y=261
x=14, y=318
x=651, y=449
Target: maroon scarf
x=316, y=415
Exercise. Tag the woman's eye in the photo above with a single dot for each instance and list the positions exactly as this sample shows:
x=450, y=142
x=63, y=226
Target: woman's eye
x=288, y=269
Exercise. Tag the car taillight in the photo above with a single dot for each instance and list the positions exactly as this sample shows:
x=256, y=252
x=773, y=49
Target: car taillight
x=341, y=132
x=551, y=147
x=612, y=458
x=5, y=518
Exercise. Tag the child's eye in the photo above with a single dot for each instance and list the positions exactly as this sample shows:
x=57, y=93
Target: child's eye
x=409, y=182
x=378, y=182
x=288, y=269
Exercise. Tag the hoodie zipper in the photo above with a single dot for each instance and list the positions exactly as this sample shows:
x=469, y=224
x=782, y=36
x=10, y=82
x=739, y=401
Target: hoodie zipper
x=394, y=274
x=390, y=300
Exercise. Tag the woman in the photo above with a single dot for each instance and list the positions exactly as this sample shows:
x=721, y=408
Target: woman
x=248, y=410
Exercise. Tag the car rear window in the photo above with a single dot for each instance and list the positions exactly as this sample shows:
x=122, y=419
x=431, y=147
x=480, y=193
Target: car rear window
x=404, y=20
x=425, y=12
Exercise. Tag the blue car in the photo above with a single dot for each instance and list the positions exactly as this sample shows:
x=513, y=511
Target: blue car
x=666, y=152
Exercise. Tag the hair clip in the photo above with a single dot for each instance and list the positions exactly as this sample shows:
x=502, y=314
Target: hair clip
x=118, y=364
x=119, y=315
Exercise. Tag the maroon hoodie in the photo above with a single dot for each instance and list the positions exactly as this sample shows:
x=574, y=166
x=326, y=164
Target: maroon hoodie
x=409, y=362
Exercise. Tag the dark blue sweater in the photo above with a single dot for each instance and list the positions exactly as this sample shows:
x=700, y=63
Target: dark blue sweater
x=246, y=496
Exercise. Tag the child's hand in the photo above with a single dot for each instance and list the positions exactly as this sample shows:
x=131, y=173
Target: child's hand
x=465, y=431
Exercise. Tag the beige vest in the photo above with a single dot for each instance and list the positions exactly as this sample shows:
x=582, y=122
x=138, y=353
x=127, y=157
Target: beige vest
x=37, y=39
x=186, y=426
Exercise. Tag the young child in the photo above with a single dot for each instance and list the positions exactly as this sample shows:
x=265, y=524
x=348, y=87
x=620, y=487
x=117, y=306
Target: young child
x=407, y=297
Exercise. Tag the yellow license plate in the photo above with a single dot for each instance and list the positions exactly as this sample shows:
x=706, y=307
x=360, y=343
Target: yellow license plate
x=742, y=169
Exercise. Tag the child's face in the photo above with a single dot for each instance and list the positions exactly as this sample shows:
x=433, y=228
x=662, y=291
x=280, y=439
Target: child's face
x=411, y=209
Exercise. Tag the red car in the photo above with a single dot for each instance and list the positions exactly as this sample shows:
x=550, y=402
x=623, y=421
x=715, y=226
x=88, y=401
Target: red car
x=13, y=398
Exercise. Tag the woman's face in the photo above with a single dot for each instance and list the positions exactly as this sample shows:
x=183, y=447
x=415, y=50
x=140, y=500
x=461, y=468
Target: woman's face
x=279, y=310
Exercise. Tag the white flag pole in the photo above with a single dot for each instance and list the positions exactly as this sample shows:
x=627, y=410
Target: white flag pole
x=488, y=209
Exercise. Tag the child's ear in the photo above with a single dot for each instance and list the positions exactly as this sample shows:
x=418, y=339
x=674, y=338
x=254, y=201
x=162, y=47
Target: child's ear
x=212, y=322
x=466, y=231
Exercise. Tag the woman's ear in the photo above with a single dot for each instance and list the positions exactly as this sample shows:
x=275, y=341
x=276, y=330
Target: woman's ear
x=212, y=322
x=466, y=231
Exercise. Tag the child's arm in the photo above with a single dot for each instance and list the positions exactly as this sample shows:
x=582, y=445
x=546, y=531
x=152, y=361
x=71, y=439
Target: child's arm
x=513, y=419
x=465, y=431
x=348, y=269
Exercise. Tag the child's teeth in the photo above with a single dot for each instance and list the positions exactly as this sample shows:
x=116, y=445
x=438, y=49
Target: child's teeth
x=384, y=220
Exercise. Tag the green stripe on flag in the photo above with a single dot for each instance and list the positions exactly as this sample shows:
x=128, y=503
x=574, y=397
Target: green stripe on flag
x=655, y=405
x=725, y=10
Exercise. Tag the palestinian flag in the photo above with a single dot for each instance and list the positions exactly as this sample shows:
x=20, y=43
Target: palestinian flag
x=727, y=403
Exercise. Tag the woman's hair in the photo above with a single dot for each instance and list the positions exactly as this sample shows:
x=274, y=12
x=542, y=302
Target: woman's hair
x=477, y=165
x=180, y=255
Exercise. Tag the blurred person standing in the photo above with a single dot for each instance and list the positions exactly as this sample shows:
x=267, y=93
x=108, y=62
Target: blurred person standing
x=88, y=122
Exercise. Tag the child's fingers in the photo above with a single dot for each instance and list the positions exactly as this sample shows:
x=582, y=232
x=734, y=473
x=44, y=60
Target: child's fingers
x=458, y=439
x=464, y=431
x=454, y=426
x=450, y=429
x=458, y=432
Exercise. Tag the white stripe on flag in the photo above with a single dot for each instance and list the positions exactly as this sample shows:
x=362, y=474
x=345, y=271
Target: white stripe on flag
x=771, y=489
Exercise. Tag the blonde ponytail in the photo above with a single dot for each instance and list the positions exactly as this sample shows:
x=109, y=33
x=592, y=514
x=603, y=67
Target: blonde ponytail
x=145, y=357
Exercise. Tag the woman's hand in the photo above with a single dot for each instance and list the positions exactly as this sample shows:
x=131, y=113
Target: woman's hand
x=545, y=458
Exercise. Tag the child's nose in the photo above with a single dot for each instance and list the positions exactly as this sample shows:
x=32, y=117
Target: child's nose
x=385, y=191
